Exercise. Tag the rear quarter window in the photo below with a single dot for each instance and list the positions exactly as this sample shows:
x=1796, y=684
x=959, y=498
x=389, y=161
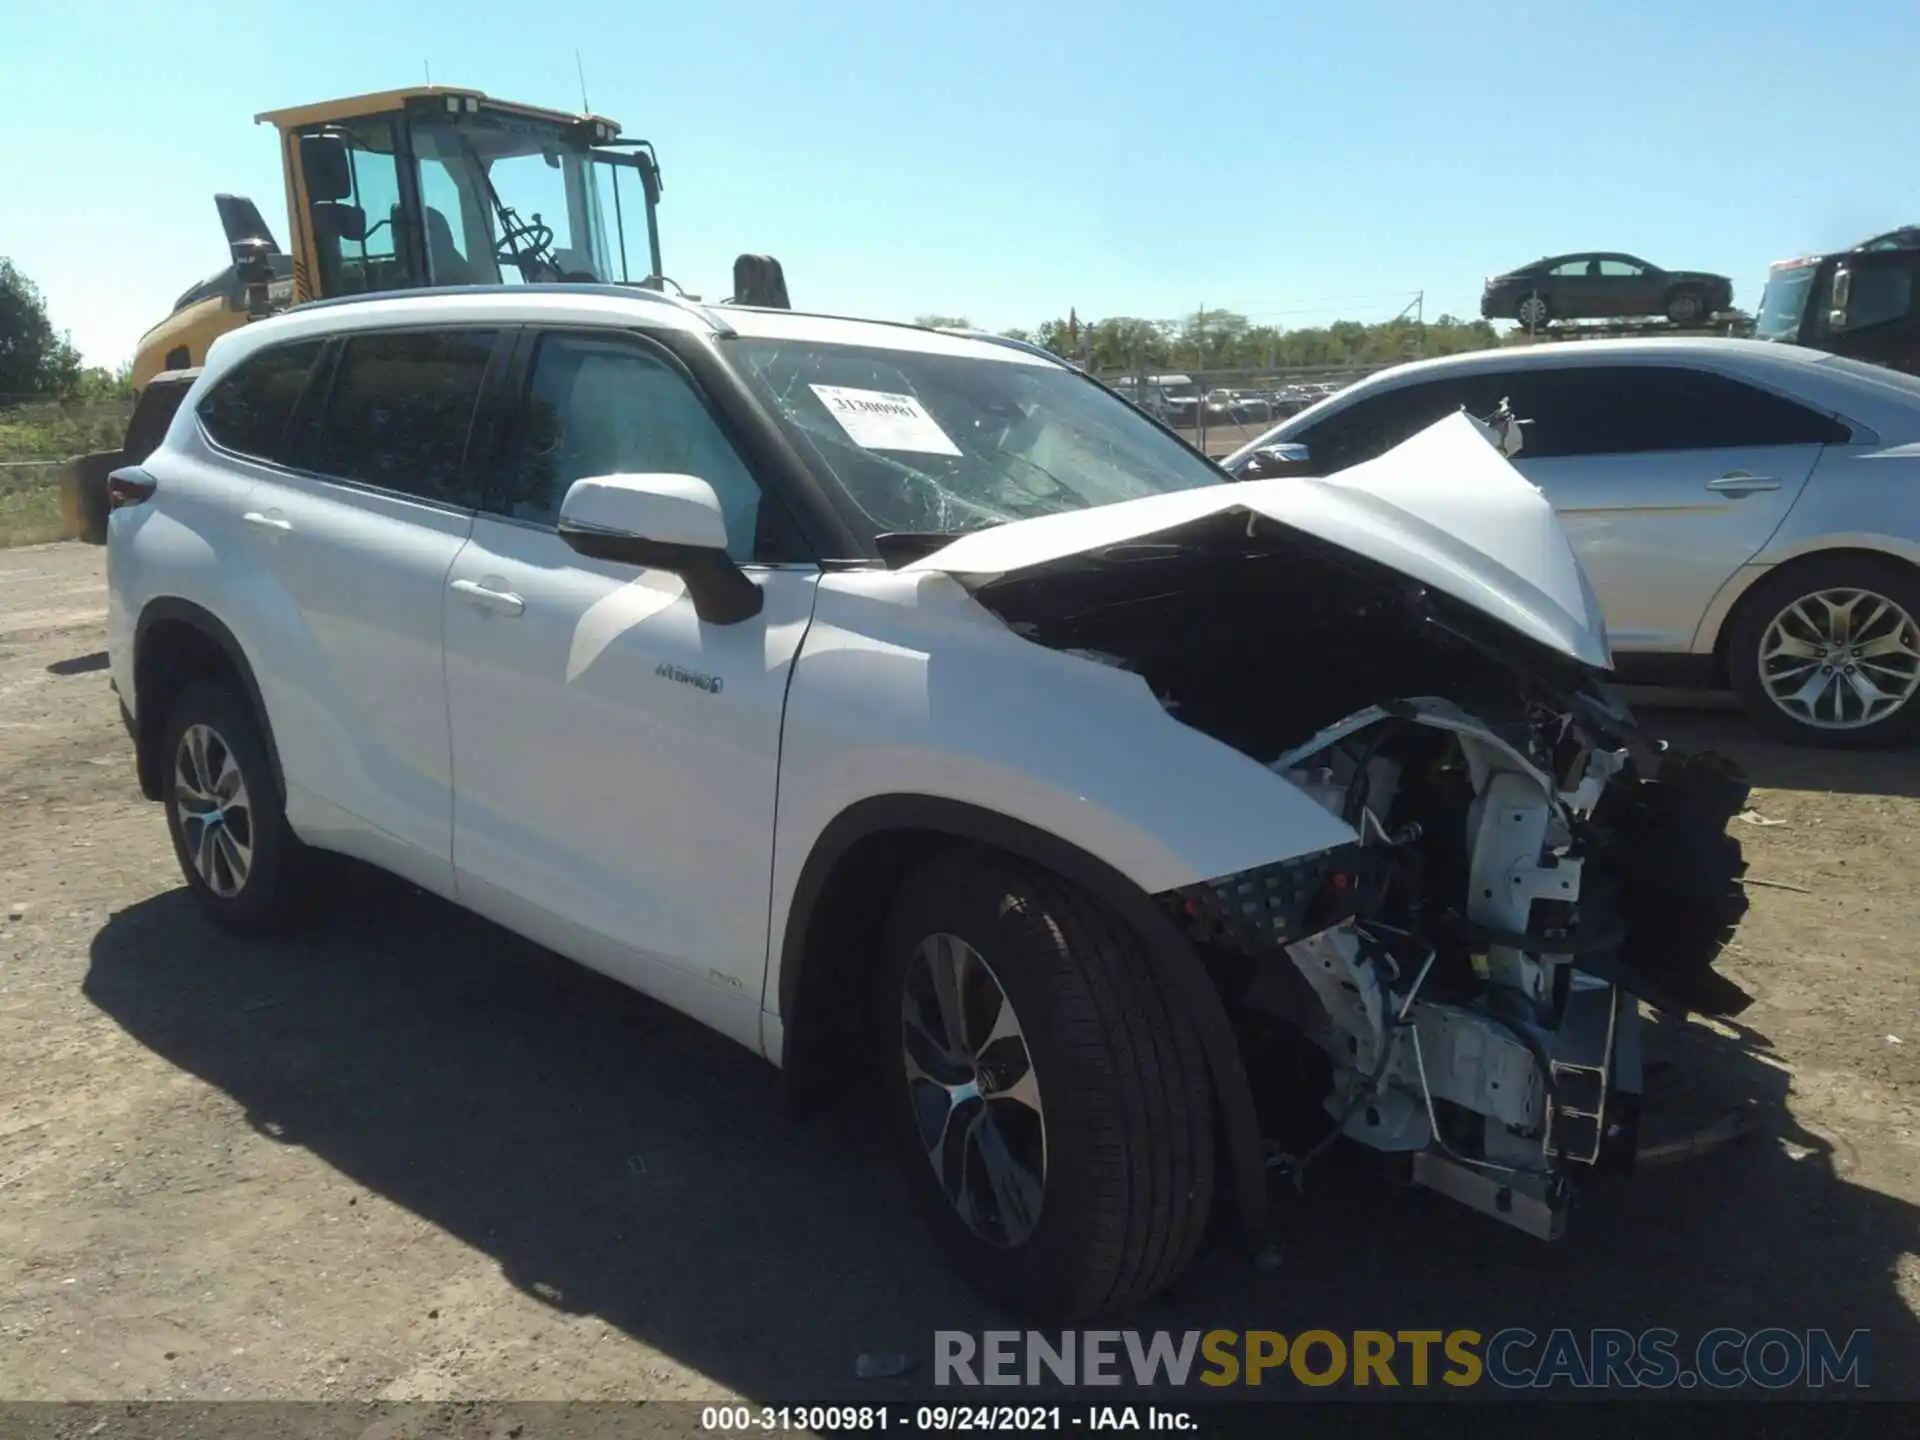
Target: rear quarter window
x=248, y=410
x=159, y=403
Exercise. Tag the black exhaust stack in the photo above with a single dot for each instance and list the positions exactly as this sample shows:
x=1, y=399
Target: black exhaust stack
x=252, y=247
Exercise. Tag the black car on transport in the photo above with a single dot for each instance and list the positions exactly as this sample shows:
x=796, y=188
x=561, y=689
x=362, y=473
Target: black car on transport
x=1603, y=285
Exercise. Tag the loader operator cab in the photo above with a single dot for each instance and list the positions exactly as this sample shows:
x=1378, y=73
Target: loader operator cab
x=451, y=188
x=428, y=186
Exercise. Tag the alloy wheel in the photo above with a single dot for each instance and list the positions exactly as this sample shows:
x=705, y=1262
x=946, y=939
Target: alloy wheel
x=215, y=814
x=1533, y=312
x=1840, y=659
x=975, y=1097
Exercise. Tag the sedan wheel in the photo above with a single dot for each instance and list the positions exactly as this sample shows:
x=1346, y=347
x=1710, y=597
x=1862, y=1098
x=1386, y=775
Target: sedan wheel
x=1828, y=653
x=1841, y=659
x=1533, y=311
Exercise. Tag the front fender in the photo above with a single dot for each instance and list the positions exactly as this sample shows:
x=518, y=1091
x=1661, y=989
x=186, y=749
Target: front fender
x=908, y=686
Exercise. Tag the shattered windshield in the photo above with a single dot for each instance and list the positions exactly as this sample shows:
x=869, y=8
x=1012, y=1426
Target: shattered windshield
x=942, y=443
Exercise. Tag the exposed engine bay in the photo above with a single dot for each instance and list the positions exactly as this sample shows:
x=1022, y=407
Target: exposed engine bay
x=1460, y=985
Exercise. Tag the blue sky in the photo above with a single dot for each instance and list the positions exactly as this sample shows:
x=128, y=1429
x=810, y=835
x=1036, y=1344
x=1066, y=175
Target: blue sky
x=1005, y=161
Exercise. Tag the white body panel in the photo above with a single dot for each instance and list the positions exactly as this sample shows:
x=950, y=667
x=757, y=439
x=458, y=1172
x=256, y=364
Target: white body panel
x=908, y=686
x=352, y=674
x=608, y=802
x=184, y=550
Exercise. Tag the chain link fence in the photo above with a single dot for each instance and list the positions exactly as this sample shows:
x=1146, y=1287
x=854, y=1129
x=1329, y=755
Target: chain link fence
x=1221, y=410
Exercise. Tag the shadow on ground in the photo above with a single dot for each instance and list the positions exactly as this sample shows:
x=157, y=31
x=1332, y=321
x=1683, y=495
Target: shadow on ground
x=80, y=664
x=616, y=1159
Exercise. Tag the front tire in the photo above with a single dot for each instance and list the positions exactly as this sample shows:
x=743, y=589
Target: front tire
x=243, y=863
x=1827, y=653
x=1052, y=1110
x=1534, y=311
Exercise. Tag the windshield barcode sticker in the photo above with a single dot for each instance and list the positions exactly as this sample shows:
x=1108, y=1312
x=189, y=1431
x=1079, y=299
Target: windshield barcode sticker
x=876, y=420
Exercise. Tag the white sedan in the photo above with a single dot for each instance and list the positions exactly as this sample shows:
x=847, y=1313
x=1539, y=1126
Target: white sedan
x=1748, y=513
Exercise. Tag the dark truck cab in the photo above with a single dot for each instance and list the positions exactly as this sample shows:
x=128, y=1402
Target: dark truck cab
x=83, y=483
x=1863, y=303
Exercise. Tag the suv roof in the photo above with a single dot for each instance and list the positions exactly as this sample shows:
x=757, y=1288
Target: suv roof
x=596, y=304
x=1623, y=351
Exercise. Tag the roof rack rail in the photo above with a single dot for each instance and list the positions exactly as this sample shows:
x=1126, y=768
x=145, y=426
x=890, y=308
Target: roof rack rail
x=630, y=291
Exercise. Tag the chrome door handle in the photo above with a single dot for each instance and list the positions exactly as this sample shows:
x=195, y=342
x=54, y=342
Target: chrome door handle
x=1739, y=482
x=501, y=602
x=267, y=522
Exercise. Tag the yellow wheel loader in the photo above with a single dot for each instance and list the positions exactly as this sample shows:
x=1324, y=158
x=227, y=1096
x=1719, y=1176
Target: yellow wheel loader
x=428, y=186
x=409, y=189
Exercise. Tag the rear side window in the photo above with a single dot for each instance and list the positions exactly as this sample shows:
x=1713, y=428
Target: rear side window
x=247, y=412
x=400, y=409
x=1640, y=409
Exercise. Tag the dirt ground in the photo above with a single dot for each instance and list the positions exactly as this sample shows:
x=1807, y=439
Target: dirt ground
x=409, y=1156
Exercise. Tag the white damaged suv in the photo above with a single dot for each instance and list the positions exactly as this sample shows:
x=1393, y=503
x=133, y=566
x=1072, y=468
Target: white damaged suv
x=914, y=711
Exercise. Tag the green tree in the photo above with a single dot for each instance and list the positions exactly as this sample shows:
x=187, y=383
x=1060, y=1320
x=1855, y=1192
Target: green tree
x=1128, y=343
x=1212, y=340
x=98, y=385
x=35, y=363
x=943, y=322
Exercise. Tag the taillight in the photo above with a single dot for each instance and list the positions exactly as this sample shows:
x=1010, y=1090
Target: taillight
x=131, y=486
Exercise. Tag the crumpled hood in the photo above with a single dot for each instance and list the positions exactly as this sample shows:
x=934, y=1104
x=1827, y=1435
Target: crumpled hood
x=1444, y=508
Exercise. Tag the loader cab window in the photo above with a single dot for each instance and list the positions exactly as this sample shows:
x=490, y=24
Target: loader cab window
x=515, y=200
x=474, y=196
x=356, y=208
x=459, y=245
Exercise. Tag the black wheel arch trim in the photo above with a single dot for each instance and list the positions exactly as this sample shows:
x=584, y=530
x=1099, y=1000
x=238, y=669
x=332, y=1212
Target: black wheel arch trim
x=147, y=725
x=1173, y=956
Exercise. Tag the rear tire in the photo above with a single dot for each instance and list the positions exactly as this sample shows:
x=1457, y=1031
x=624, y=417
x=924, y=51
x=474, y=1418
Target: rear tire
x=246, y=868
x=1774, y=652
x=1686, y=307
x=1094, y=1089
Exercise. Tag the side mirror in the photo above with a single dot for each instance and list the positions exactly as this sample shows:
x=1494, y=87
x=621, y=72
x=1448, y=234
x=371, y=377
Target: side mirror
x=662, y=522
x=323, y=159
x=1272, y=461
x=1842, y=293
